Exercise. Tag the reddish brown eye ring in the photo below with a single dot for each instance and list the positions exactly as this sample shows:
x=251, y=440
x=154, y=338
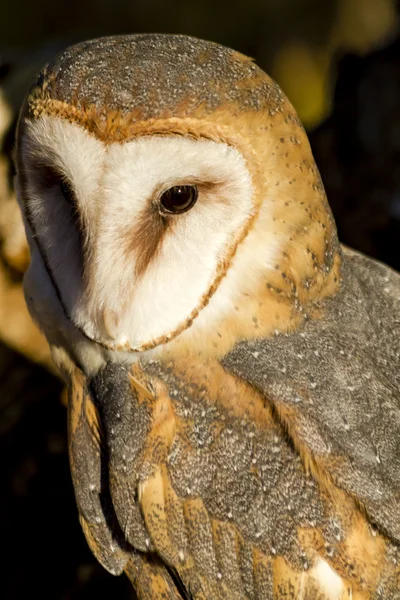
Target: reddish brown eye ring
x=179, y=199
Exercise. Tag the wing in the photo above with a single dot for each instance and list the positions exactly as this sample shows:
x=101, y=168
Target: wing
x=89, y=458
x=90, y=478
x=335, y=386
x=208, y=499
x=246, y=480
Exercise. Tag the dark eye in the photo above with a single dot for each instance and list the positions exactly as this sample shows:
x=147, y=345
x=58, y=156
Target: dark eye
x=179, y=198
x=51, y=178
x=67, y=191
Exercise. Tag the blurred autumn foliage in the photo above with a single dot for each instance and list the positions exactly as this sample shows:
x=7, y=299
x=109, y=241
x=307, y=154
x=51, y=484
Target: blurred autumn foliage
x=339, y=63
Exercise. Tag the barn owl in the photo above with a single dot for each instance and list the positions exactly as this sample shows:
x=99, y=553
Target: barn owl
x=233, y=371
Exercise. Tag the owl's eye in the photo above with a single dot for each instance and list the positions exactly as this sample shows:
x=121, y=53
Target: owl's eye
x=51, y=179
x=179, y=198
x=67, y=191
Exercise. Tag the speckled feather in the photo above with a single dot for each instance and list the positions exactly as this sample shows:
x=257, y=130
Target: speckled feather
x=233, y=482
x=157, y=74
x=342, y=386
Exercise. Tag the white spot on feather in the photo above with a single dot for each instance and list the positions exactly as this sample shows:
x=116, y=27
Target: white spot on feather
x=329, y=581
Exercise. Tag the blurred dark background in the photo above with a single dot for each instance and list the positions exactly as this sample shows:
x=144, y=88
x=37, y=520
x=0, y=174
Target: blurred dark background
x=339, y=63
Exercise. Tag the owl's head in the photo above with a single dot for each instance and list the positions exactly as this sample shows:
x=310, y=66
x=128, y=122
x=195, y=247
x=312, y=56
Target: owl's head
x=170, y=197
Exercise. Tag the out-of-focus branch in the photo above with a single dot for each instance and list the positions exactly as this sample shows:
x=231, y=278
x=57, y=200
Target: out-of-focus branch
x=17, y=329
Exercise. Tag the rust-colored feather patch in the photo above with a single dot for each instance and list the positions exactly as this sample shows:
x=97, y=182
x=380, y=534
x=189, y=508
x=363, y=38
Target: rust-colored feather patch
x=145, y=239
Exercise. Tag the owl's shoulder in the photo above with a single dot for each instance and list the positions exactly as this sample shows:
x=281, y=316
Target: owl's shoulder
x=336, y=385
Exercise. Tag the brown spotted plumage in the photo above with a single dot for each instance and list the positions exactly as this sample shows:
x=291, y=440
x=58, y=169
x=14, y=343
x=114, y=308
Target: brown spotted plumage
x=234, y=384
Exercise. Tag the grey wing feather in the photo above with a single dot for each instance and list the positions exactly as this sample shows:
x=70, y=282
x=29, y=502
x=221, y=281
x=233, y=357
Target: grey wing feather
x=340, y=376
